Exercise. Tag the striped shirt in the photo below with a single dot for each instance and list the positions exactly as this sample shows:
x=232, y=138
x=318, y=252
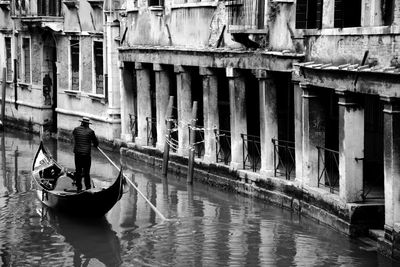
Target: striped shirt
x=84, y=137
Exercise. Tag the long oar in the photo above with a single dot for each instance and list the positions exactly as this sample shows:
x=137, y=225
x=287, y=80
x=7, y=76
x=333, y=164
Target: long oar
x=134, y=186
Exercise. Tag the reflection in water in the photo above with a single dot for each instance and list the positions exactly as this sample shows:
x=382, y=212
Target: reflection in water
x=209, y=227
x=90, y=239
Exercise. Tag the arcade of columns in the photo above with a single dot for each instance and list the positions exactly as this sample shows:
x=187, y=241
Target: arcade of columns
x=309, y=126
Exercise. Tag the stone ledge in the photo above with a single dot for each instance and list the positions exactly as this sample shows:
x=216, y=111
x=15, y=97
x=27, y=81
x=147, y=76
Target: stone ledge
x=351, y=219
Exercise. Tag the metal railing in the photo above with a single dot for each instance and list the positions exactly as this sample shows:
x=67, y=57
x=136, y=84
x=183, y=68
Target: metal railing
x=284, y=158
x=198, y=141
x=223, y=146
x=133, y=126
x=151, y=129
x=251, y=152
x=328, y=168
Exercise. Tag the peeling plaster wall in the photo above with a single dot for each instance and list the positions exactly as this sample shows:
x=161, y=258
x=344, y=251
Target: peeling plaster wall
x=341, y=49
x=191, y=26
x=280, y=25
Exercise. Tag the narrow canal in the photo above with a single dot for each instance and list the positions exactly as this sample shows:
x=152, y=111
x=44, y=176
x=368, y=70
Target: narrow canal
x=208, y=227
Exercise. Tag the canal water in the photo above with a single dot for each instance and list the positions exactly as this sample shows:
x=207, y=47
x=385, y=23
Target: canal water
x=207, y=227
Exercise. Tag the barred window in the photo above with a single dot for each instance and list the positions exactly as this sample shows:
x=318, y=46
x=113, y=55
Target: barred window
x=347, y=13
x=309, y=14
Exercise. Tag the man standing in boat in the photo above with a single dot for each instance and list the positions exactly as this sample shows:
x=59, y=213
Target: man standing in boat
x=84, y=137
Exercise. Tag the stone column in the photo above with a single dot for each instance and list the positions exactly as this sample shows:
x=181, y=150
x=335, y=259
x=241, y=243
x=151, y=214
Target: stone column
x=391, y=147
x=313, y=133
x=162, y=97
x=298, y=126
x=144, y=102
x=237, y=102
x=184, y=102
x=210, y=113
x=351, y=147
x=111, y=48
x=126, y=135
x=268, y=120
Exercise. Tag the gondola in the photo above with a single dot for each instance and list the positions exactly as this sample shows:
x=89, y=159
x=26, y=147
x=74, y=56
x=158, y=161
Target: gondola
x=54, y=188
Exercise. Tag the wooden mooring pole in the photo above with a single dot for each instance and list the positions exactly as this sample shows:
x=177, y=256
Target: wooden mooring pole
x=192, y=139
x=168, y=117
x=3, y=97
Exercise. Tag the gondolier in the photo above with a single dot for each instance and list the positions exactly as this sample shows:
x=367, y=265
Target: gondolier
x=84, y=137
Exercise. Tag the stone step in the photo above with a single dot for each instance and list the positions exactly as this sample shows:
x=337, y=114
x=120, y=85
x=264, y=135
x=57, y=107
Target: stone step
x=376, y=234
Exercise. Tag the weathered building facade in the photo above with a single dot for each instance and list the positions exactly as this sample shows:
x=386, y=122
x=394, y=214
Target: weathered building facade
x=302, y=90
x=54, y=55
x=297, y=100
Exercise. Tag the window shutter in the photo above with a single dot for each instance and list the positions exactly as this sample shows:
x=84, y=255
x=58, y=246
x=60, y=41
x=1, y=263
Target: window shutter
x=301, y=14
x=339, y=13
x=318, y=20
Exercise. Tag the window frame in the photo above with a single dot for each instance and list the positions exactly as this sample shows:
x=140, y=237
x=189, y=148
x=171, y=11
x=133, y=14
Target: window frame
x=70, y=72
x=311, y=20
x=23, y=75
x=94, y=73
x=9, y=64
x=151, y=3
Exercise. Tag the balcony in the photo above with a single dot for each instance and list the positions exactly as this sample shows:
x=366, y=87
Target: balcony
x=246, y=16
x=247, y=22
x=38, y=9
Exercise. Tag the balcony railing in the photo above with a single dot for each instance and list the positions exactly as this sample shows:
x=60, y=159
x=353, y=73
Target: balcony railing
x=151, y=129
x=251, y=152
x=328, y=168
x=284, y=158
x=223, y=146
x=37, y=8
x=244, y=15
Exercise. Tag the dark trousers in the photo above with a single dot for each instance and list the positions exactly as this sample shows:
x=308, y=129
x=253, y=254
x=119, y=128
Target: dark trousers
x=82, y=169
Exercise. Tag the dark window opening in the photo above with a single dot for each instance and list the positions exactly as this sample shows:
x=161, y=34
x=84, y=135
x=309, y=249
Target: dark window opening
x=49, y=7
x=8, y=58
x=98, y=65
x=75, y=64
x=387, y=10
x=26, y=48
x=347, y=13
x=156, y=2
x=309, y=14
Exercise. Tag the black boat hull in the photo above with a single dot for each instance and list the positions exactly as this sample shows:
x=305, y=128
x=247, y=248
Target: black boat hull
x=94, y=202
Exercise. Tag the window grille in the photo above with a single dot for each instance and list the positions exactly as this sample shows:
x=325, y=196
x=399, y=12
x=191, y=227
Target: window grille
x=347, y=13
x=309, y=14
